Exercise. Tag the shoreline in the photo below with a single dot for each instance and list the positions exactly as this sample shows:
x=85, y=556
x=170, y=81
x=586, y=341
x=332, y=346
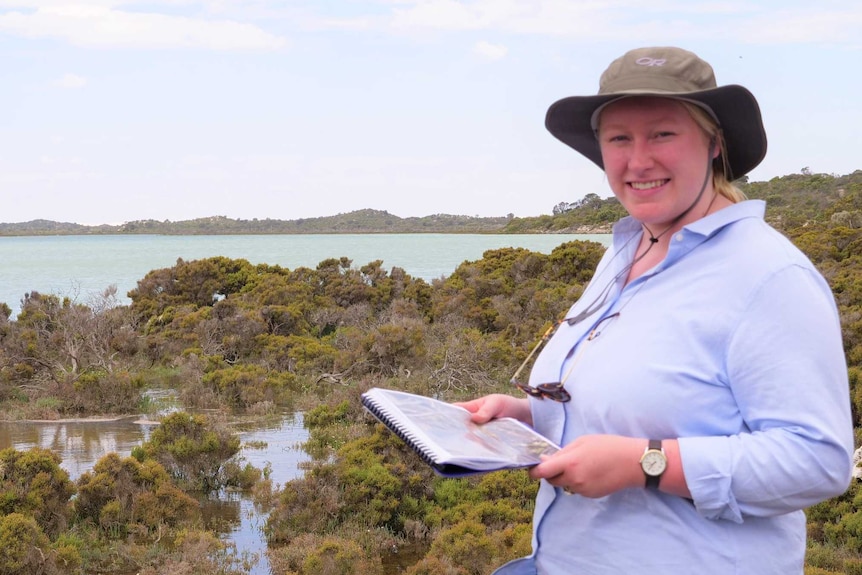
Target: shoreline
x=135, y=419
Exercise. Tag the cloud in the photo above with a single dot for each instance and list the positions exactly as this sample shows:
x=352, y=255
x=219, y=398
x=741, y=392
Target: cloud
x=490, y=51
x=231, y=25
x=71, y=81
x=345, y=24
x=105, y=27
x=585, y=20
x=829, y=21
x=554, y=17
x=805, y=26
x=439, y=14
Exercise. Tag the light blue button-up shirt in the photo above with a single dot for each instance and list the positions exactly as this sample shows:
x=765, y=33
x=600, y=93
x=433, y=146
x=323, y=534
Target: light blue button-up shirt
x=732, y=345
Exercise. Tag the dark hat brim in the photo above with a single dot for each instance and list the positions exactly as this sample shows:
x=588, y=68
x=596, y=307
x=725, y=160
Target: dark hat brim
x=735, y=107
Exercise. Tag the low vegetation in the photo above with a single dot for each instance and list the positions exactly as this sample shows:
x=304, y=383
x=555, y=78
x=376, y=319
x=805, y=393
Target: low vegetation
x=232, y=337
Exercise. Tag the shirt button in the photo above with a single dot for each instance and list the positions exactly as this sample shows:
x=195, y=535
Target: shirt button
x=679, y=237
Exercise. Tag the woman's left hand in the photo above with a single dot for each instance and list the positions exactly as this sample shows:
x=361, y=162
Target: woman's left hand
x=594, y=465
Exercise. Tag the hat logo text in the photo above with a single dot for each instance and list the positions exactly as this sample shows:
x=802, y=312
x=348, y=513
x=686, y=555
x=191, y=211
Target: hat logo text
x=647, y=61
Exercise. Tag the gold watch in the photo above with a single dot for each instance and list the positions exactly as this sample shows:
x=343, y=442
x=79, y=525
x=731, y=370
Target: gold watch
x=654, y=463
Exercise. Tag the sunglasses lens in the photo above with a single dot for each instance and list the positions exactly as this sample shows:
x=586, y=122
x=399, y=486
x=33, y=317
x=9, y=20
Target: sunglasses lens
x=554, y=391
x=531, y=391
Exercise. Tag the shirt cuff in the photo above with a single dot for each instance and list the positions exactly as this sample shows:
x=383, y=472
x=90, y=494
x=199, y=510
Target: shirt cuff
x=707, y=463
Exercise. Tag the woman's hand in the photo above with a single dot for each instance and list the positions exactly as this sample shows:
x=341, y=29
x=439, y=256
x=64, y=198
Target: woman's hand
x=594, y=465
x=497, y=405
x=598, y=465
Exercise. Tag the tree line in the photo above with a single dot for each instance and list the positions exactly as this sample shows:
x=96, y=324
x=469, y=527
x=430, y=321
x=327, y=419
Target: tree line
x=357, y=222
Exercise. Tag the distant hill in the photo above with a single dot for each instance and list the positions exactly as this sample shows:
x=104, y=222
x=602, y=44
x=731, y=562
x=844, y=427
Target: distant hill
x=792, y=201
x=47, y=227
x=359, y=222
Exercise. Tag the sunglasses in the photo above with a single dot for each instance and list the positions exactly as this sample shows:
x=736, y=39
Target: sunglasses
x=554, y=391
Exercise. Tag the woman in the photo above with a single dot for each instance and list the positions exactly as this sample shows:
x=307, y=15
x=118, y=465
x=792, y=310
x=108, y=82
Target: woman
x=698, y=387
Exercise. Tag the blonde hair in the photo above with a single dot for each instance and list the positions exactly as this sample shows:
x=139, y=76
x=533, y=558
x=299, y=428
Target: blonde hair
x=720, y=183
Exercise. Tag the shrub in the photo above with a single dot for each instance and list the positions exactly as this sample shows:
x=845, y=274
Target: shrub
x=192, y=449
x=119, y=494
x=33, y=484
x=24, y=548
x=311, y=554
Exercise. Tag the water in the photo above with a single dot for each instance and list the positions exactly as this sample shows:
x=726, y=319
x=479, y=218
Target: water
x=82, y=266
x=81, y=444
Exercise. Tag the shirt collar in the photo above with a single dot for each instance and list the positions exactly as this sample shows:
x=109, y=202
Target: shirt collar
x=705, y=227
x=689, y=237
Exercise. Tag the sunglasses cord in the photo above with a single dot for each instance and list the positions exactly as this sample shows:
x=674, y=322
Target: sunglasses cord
x=653, y=239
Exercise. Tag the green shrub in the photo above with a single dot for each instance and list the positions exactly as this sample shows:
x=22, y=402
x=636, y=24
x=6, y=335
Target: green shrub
x=24, y=547
x=33, y=483
x=311, y=554
x=192, y=449
x=467, y=545
x=121, y=494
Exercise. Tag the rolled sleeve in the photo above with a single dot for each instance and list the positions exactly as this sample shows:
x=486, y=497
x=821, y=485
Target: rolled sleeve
x=710, y=478
x=793, y=397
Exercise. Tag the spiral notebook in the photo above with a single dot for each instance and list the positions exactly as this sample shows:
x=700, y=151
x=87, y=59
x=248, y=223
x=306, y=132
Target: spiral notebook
x=443, y=435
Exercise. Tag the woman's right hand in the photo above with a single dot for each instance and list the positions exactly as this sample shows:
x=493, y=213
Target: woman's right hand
x=497, y=405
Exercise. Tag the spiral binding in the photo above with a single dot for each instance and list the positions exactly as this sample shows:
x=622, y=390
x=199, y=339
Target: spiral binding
x=386, y=419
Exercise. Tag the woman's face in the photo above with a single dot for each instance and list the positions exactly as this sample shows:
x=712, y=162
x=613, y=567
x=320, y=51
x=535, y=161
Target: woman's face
x=656, y=158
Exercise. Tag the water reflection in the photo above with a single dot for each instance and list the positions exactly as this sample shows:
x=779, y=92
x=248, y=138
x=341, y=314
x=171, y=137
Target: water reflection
x=274, y=444
x=80, y=443
x=277, y=443
x=236, y=515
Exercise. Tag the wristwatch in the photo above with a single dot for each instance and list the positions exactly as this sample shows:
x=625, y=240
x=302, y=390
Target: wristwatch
x=653, y=463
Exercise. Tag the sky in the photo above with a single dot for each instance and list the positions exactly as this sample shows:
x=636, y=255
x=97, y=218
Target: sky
x=114, y=111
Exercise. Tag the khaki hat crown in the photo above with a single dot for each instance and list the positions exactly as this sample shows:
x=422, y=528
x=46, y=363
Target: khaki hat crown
x=657, y=70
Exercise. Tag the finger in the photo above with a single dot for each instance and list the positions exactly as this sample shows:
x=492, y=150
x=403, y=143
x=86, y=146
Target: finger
x=475, y=407
x=470, y=406
x=561, y=482
x=482, y=415
x=548, y=469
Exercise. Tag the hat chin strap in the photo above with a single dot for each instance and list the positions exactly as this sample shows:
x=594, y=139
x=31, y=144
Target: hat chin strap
x=654, y=238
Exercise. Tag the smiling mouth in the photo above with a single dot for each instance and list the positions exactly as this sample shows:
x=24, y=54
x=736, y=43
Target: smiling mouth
x=648, y=185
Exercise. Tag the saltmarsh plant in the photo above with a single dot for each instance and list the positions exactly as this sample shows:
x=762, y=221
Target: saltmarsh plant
x=371, y=490
x=312, y=554
x=102, y=391
x=33, y=483
x=195, y=551
x=123, y=495
x=471, y=499
x=193, y=449
x=823, y=559
x=330, y=426
x=467, y=545
x=245, y=385
x=325, y=415
x=24, y=547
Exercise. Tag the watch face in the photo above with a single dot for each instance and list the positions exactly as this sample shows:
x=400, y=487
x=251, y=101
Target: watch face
x=654, y=463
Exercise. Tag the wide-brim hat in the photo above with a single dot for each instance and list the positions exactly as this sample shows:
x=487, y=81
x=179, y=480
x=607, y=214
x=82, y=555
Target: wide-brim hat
x=665, y=72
